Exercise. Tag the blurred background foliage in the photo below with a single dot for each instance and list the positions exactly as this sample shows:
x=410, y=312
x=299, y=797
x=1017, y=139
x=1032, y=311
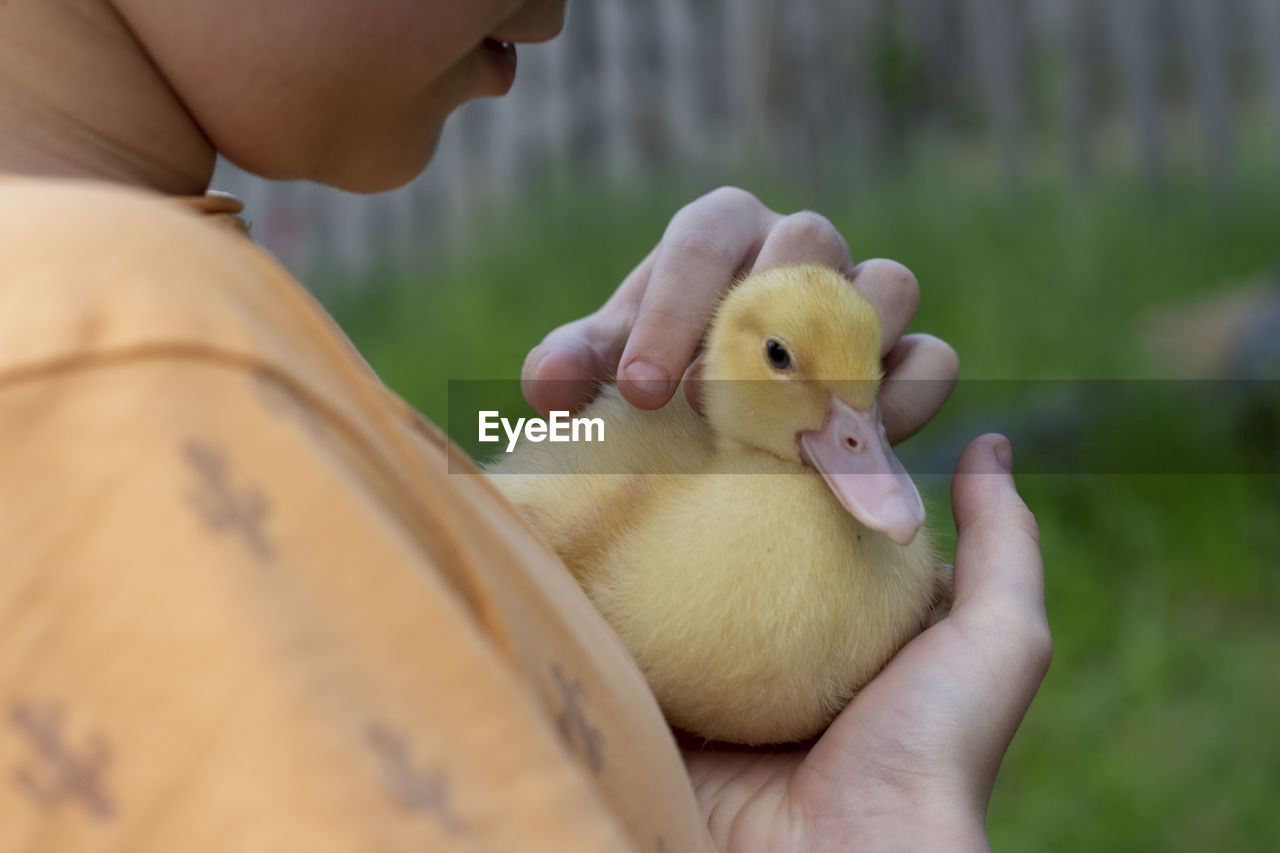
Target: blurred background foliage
x=1114, y=227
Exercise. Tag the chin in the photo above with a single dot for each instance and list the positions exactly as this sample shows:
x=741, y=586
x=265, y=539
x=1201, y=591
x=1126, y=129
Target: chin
x=372, y=168
x=381, y=169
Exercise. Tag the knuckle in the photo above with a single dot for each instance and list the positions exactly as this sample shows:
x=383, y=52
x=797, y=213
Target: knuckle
x=1024, y=520
x=906, y=285
x=899, y=281
x=923, y=355
x=701, y=239
x=1037, y=640
x=607, y=326
x=943, y=356
x=706, y=227
x=678, y=322
x=729, y=196
x=1027, y=631
x=808, y=228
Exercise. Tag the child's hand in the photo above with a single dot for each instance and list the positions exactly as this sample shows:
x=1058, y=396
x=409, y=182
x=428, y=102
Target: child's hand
x=909, y=764
x=648, y=331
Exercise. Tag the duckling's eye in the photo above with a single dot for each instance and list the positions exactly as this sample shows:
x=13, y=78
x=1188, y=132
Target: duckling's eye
x=777, y=354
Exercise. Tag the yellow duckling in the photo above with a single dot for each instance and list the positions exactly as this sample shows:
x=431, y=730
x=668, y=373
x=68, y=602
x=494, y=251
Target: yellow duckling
x=764, y=563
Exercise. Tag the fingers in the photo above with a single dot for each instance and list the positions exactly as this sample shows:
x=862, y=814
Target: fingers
x=805, y=238
x=698, y=259
x=893, y=289
x=999, y=575
x=920, y=373
x=556, y=378
x=649, y=330
x=563, y=372
x=707, y=243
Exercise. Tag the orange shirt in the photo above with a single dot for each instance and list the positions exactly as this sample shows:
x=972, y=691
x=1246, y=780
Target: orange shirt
x=244, y=604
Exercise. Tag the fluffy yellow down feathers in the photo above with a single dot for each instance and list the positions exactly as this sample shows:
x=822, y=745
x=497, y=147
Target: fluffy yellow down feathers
x=763, y=563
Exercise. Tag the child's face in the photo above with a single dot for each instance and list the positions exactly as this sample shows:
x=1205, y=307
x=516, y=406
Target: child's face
x=348, y=92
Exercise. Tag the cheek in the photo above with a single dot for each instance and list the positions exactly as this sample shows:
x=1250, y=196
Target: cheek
x=365, y=133
x=393, y=141
x=396, y=133
x=356, y=97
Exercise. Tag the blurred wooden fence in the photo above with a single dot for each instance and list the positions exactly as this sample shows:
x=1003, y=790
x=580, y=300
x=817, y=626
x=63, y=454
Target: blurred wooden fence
x=637, y=89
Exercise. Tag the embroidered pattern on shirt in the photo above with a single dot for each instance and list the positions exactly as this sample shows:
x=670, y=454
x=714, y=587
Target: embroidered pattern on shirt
x=60, y=772
x=415, y=790
x=575, y=727
x=222, y=507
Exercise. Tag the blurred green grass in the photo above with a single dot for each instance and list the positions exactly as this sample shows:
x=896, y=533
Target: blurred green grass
x=1156, y=727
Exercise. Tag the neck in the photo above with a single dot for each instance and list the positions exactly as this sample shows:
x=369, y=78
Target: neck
x=79, y=97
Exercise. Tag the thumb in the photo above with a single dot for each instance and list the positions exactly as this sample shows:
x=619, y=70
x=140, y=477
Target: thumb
x=997, y=563
x=999, y=591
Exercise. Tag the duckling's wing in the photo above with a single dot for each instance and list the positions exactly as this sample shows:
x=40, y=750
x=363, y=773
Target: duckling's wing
x=580, y=495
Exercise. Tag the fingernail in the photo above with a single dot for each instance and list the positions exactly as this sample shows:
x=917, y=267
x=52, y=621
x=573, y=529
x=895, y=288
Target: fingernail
x=648, y=378
x=1004, y=455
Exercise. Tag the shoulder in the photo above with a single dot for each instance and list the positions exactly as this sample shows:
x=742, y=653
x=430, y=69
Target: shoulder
x=43, y=219
x=95, y=276
x=82, y=247
x=90, y=268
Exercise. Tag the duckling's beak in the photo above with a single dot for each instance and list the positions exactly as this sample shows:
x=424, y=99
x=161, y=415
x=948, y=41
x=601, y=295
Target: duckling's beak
x=851, y=452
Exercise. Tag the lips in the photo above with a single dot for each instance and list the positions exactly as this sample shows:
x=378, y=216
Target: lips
x=501, y=59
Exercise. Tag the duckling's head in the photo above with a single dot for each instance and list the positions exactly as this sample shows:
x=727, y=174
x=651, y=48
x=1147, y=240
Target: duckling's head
x=793, y=356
